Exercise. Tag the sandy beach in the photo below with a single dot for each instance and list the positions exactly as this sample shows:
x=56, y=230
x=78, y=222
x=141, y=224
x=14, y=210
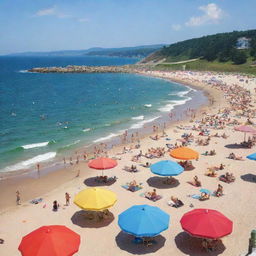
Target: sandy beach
x=105, y=238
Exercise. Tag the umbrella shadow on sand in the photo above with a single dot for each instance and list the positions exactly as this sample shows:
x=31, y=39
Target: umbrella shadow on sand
x=92, y=182
x=125, y=242
x=192, y=246
x=249, y=177
x=160, y=182
x=234, y=146
x=87, y=219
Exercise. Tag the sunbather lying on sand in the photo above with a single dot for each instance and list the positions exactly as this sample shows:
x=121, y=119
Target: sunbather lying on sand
x=175, y=202
x=195, y=182
x=204, y=196
x=146, y=165
x=152, y=195
x=219, y=191
x=211, y=173
x=156, y=137
x=133, y=168
x=186, y=164
x=234, y=157
x=133, y=185
x=170, y=181
x=228, y=177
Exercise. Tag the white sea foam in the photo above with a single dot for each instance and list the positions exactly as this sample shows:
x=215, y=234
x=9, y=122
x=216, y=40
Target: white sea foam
x=36, y=145
x=111, y=135
x=168, y=107
x=31, y=161
x=73, y=143
x=141, y=123
x=148, y=105
x=138, y=118
x=86, y=130
x=23, y=71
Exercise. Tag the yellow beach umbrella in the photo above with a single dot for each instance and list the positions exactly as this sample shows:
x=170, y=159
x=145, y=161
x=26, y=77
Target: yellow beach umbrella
x=184, y=153
x=95, y=199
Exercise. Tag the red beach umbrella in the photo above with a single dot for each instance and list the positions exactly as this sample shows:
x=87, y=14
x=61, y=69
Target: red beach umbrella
x=52, y=240
x=102, y=163
x=206, y=223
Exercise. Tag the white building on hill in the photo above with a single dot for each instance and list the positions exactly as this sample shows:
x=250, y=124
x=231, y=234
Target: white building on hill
x=243, y=43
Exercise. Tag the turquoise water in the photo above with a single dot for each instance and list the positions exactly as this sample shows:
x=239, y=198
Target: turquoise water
x=45, y=115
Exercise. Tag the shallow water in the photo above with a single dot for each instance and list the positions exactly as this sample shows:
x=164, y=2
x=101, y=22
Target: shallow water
x=46, y=115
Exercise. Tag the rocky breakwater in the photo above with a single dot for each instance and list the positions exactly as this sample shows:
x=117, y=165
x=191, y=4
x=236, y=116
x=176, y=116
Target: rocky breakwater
x=84, y=69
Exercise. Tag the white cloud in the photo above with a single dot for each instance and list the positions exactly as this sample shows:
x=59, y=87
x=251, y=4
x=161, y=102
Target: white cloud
x=52, y=11
x=176, y=27
x=83, y=20
x=46, y=12
x=212, y=15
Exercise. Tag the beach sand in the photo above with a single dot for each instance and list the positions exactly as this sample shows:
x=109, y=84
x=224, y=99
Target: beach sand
x=106, y=238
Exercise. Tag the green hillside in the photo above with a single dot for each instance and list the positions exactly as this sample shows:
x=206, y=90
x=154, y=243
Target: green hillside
x=137, y=51
x=215, y=52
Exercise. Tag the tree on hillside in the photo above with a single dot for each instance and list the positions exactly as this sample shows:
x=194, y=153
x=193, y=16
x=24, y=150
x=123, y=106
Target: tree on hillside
x=238, y=57
x=253, y=48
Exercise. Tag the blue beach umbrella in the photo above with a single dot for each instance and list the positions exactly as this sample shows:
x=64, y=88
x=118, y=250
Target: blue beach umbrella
x=252, y=156
x=206, y=191
x=143, y=220
x=166, y=168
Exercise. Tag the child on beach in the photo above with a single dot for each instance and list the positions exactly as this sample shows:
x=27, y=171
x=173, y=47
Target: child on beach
x=55, y=206
x=67, y=196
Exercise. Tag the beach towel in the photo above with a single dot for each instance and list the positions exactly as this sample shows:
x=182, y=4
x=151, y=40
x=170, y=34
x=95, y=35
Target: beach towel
x=195, y=196
x=135, y=188
x=191, y=183
x=156, y=199
x=36, y=200
x=170, y=146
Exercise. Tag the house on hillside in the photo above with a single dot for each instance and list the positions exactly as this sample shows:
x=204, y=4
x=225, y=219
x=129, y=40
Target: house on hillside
x=243, y=43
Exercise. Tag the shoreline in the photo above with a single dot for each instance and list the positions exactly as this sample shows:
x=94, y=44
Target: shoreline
x=28, y=177
x=57, y=161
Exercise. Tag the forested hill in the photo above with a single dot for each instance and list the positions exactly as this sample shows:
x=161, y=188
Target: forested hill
x=222, y=47
x=137, y=51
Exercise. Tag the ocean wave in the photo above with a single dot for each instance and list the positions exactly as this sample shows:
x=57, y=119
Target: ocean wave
x=148, y=105
x=36, y=145
x=141, y=123
x=170, y=106
x=111, y=135
x=138, y=118
x=31, y=161
x=86, y=130
x=69, y=145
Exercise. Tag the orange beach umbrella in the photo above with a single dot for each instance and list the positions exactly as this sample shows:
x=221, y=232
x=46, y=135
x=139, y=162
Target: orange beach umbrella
x=102, y=163
x=184, y=153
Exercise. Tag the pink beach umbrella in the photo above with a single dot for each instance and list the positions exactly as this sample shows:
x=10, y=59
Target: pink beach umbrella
x=245, y=129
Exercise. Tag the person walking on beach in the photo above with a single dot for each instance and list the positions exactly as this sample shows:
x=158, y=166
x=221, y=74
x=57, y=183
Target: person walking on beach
x=67, y=196
x=18, y=197
x=78, y=173
x=38, y=170
x=64, y=160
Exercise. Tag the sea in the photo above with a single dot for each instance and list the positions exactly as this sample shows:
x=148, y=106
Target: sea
x=46, y=116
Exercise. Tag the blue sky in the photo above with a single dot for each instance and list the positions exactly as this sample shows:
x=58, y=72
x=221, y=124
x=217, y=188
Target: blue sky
x=46, y=25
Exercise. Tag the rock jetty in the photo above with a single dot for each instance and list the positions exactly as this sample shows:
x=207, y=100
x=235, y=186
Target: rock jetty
x=84, y=69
